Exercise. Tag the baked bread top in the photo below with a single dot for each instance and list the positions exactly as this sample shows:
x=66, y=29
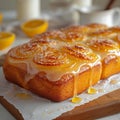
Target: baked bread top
x=59, y=52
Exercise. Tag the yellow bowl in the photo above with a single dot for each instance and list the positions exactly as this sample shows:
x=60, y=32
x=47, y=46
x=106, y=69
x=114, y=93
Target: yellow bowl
x=33, y=27
x=6, y=39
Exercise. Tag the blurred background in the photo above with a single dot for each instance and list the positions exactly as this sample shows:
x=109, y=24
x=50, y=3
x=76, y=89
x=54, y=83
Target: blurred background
x=11, y=4
x=58, y=10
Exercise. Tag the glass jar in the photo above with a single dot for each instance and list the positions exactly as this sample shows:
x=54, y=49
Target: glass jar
x=28, y=9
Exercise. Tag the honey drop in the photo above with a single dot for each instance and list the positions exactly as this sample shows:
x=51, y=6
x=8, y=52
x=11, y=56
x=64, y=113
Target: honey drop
x=92, y=90
x=113, y=82
x=76, y=99
x=23, y=96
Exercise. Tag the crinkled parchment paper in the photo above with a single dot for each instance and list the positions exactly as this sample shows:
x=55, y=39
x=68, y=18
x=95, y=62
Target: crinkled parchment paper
x=33, y=107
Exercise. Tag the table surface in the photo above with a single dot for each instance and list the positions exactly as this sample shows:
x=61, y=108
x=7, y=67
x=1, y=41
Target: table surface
x=5, y=115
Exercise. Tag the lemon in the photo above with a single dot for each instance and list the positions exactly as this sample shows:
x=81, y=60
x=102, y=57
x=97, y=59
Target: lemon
x=33, y=27
x=6, y=39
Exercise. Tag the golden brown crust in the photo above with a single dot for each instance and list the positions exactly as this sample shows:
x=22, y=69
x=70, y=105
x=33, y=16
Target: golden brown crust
x=14, y=73
x=57, y=63
x=62, y=89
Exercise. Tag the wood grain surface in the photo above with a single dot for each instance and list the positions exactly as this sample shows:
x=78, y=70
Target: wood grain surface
x=106, y=105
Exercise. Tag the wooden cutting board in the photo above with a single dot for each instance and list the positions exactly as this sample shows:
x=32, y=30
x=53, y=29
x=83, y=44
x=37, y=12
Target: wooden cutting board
x=106, y=105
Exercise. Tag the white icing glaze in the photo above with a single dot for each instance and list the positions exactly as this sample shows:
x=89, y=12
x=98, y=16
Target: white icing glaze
x=53, y=74
x=31, y=71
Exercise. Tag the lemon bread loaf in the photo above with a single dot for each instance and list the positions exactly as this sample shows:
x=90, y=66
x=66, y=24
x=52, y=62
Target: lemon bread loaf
x=60, y=64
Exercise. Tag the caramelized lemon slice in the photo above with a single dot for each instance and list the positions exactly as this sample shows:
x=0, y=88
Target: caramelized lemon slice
x=33, y=27
x=50, y=57
x=103, y=44
x=24, y=51
x=6, y=39
x=81, y=52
